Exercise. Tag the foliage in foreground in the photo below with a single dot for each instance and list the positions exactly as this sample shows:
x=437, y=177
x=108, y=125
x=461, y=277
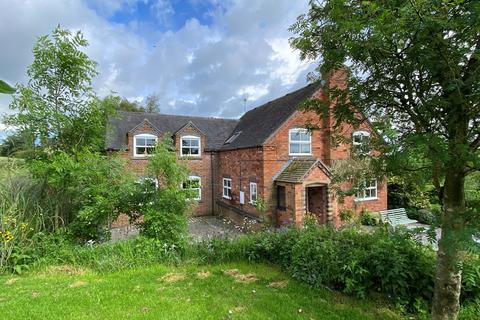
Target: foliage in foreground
x=413, y=70
x=164, y=214
x=393, y=264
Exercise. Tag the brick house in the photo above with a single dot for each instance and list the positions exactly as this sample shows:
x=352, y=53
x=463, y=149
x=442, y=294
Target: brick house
x=267, y=154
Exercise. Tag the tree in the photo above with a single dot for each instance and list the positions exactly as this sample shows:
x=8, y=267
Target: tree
x=152, y=104
x=18, y=145
x=58, y=106
x=414, y=66
x=164, y=215
x=126, y=105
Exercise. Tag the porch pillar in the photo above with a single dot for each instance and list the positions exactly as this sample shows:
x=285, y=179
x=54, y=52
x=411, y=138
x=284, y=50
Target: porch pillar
x=329, y=206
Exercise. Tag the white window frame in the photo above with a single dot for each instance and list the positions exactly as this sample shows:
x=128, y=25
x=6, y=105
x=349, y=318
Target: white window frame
x=361, y=195
x=199, y=189
x=227, y=187
x=190, y=147
x=143, y=135
x=253, y=191
x=309, y=142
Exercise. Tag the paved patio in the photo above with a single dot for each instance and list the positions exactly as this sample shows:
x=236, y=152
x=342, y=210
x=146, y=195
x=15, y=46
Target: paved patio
x=199, y=228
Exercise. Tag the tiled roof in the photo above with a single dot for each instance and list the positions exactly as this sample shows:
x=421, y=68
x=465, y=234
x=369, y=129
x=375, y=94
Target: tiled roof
x=258, y=124
x=297, y=169
x=252, y=130
x=216, y=130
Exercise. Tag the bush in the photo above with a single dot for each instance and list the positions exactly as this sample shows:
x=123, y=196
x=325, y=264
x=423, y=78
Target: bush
x=21, y=216
x=422, y=215
x=388, y=262
x=368, y=219
x=346, y=215
x=56, y=250
x=83, y=191
x=165, y=209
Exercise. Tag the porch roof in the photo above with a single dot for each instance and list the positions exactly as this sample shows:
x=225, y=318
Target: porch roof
x=296, y=170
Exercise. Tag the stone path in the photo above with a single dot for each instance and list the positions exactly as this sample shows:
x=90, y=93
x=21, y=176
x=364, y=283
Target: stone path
x=200, y=228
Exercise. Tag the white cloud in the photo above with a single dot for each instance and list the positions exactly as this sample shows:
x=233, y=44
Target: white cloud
x=197, y=69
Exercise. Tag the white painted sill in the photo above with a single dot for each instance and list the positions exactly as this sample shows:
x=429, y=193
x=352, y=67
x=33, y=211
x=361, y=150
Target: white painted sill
x=365, y=199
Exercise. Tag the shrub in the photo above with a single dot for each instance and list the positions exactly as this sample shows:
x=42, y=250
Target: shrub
x=388, y=262
x=346, y=215
x=368, y=219
x=83, y=189
x=167, y=203
x=471, y=278
x=21, y=216
x=422, y=215
x=56, y=250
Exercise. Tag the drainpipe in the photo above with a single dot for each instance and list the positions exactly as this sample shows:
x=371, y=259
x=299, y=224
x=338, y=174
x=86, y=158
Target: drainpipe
x=213, y=177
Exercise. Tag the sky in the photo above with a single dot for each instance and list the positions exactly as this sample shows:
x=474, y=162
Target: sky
x=201, y=57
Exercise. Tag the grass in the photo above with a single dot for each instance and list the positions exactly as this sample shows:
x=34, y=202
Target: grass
x=223, y=291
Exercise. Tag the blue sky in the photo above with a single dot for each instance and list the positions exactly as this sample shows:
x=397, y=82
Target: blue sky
x=201, y=57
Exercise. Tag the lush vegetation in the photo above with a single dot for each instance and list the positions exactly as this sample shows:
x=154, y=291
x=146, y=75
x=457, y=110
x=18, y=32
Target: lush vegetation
x=66, y=186
x=413, y=72
x=385, y=265
x=392, y=264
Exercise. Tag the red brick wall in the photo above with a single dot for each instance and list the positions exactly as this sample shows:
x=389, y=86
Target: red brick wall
x=265, y=162
x=199, y=166
x=242, y=166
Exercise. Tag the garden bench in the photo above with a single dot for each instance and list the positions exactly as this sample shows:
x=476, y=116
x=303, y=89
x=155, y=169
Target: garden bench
x=396, y=217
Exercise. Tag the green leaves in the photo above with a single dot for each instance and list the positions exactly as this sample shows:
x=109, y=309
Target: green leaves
x=6, y=88
x=58, y=105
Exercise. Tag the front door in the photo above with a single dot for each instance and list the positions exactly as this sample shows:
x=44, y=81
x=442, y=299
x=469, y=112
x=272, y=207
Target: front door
x=317, y=203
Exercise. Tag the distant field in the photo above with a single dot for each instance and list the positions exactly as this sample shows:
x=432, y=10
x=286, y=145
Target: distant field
x=229, y=291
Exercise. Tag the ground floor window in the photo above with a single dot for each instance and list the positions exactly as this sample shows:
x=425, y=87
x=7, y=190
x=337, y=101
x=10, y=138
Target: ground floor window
x=253, y=193
x=227, y=188
x=281, y=198
x=369, y=190
x=194, y=185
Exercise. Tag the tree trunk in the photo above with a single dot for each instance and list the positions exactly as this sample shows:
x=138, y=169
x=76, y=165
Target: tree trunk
x=448, y=278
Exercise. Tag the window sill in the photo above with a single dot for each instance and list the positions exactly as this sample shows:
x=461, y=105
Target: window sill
x=190, y=157
x=366, y=199
x=228, y=198
x=137, y=157
x=299, y=154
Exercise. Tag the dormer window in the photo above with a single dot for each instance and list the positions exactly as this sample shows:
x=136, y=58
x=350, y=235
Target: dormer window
x=190, y=146
x=144, y=144
x=361, y=141
x=300, y=142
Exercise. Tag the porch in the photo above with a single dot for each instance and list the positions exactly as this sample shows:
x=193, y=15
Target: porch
x=301, y=187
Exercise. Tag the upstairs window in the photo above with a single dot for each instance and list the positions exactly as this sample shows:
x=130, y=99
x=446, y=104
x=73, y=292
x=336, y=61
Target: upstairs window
x=300, y=142
x=369, y=191
x=227, y=188
x=144, y=145
x=194, y=186
x=190, y=146
x=361, y=142
x=253, y=193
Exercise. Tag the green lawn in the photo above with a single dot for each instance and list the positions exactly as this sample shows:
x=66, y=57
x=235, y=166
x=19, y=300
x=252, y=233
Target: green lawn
x=228, y=291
